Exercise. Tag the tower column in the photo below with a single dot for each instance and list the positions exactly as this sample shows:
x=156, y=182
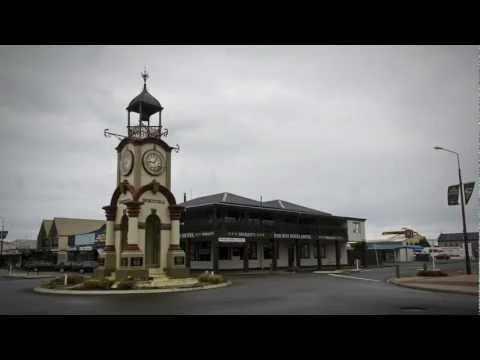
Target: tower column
x=110, y=237
x=132, y=259
x=175, y=216
x=133, y=210
x=176, y=267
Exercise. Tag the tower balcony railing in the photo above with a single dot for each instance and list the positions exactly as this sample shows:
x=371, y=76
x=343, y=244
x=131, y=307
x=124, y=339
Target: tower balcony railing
x=142, y=132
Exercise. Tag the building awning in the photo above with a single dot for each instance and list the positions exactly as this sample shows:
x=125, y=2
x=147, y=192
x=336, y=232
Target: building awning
x=231, y=240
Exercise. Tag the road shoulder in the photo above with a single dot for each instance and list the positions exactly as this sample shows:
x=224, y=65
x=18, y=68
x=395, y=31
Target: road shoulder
x=463, y=284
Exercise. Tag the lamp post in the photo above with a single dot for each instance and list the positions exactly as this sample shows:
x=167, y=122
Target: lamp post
x=2, y=236
x=467, y=254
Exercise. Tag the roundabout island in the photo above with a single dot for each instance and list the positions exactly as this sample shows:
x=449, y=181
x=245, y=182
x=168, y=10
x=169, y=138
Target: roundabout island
x=83, y=285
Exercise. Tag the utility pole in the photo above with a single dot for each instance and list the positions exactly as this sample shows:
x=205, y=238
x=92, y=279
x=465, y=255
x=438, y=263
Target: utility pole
x=2, y=237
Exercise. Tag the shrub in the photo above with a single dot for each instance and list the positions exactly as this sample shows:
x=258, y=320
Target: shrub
x=431, y=273
x=96, y=284
x=126, y=284
x=211, y=279
x=60, y=281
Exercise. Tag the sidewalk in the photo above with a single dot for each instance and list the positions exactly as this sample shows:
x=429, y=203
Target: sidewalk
x=24, y=275
x=462, y=284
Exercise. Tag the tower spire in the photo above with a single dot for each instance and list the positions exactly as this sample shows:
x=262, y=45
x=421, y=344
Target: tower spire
x=145, y=76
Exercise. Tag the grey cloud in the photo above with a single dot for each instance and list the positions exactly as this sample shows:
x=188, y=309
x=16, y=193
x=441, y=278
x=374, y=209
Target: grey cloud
x=345, y=129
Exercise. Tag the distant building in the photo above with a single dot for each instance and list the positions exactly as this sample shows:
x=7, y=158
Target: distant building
x=403, y=234
x=67, y=237
x=43, y=240
x=380, y=252
x=13, y=251
x=399, y=244
x=17, y=246
x=456, y=240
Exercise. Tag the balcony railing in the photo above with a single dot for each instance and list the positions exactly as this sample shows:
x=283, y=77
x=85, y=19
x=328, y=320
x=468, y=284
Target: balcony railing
x=142, y=132
x=241, y=225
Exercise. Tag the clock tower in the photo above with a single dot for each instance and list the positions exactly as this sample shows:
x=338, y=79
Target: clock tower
x=143, y=219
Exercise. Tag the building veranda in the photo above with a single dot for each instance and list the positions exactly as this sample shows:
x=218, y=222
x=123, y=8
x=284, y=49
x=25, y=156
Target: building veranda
x=229, y=232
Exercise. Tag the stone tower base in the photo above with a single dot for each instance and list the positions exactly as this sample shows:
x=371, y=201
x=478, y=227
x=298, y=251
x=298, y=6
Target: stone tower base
x=176, y=263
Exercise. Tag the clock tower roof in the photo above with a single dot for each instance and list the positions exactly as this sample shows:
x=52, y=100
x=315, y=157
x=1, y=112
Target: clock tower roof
x=144, y=103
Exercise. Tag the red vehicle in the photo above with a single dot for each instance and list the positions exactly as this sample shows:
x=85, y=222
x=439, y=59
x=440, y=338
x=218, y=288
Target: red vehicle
x=442, y=256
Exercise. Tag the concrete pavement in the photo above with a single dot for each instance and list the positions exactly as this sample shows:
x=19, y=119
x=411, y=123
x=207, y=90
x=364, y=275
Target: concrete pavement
x=462, y=284
x=27, y=275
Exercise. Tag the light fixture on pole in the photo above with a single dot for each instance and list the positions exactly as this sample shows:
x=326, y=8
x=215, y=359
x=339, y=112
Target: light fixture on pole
x=467, y=254
x=2, y=236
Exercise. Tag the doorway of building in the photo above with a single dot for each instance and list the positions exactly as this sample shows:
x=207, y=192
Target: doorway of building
x=152, y=241
x=291, y=256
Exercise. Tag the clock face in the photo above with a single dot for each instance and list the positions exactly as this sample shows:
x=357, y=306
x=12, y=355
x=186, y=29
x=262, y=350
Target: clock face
x=153, y=162
x=126, y=162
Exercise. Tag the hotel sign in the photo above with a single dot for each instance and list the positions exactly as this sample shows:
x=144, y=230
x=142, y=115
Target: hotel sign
x=292, y=236
x=246, y=234
x=231, y=240
x=192, y=234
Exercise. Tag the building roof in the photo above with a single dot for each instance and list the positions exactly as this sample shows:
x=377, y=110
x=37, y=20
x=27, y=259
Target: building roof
x=471, y=236
x=144, y=102
x=47, y=224
x=68, y=226
x=285, y=205
x=227, y=198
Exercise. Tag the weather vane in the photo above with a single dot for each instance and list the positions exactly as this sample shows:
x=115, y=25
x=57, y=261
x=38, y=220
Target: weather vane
x=145, y=75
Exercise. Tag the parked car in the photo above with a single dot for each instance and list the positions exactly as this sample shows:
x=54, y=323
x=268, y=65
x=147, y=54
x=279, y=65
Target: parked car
x=66, y=266
x=38, y=265
x=87, y=266
x=442, y=256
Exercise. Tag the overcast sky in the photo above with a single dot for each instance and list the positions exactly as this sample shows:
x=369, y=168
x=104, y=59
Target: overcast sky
x=348, y=130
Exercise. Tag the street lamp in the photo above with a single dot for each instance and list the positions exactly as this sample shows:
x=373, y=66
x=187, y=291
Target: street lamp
x=467, y=255
x=2, y=237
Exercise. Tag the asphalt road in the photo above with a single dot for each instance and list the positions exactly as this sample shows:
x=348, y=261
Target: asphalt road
x=277, y=294
x=451, y=267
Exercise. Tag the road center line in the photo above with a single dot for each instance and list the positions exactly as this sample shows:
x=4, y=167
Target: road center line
x=353, y=277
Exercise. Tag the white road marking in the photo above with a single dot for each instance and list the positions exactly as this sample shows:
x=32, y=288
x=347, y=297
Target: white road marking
x=353, y=277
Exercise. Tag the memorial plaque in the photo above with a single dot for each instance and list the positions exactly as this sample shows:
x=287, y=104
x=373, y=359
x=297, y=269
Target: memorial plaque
x=136, y=261
x=179, y=260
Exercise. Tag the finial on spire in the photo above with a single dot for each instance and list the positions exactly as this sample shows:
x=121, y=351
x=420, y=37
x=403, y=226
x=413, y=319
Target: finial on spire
x=145, y=76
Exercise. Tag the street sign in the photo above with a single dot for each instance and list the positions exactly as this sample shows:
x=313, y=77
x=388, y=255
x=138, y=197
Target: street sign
x=468, y=190
x=3, y=234
x=453, y=192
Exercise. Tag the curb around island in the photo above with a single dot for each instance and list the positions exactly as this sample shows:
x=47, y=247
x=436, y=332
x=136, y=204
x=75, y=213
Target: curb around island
x=420, y=287
x=41, y=290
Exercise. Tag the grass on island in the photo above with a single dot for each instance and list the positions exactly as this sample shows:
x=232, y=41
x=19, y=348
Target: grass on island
x=79, y=282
